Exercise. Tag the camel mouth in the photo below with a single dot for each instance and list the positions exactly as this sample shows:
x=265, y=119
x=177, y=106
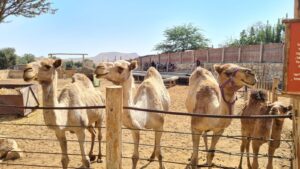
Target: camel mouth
x=248, y=84
x=101, y=75
x=28, y=79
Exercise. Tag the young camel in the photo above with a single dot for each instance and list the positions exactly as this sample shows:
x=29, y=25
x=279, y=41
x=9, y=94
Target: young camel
x=78, y=93
x=151, y=94
x=263, y=129
x=207, y=96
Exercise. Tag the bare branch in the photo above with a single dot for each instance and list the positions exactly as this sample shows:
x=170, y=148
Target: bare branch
x=26, y=8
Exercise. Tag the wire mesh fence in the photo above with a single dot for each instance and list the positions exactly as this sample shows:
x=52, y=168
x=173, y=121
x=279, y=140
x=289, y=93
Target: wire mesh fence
x=287, y=141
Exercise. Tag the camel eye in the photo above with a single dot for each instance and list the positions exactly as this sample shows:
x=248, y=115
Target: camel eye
x=228, y=73
x=47, y=67
x=120, y=70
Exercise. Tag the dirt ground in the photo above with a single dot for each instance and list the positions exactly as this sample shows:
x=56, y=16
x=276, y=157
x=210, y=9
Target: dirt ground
x=181, y=142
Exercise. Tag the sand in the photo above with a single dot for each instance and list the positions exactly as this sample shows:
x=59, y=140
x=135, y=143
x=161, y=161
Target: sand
x=182, y=142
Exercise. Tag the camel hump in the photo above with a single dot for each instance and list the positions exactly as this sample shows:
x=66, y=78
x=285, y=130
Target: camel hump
x=82, y=79
x=152, y=72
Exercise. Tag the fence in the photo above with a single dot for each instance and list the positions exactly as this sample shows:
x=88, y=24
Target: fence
x=114, y=109
x=264, y=53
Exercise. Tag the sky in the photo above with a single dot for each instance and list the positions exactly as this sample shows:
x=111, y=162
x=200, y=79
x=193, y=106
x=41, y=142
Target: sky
x=96, y=26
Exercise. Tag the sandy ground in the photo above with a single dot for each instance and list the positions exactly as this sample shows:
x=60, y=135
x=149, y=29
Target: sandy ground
x=181, y=142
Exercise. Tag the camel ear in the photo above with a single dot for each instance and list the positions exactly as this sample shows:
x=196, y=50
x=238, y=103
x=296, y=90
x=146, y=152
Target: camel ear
x=133, y=65
x=288, y=108
x=218, y=68
x=57, y=63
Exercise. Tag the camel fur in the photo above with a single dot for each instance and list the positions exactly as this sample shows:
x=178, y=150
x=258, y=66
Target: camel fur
x=78, y=93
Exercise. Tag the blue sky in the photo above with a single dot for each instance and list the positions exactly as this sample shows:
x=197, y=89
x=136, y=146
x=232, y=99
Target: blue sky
x=96, y=26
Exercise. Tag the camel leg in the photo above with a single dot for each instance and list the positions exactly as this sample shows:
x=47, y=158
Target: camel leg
x=242, y=149
x=99, y=124
x=81, y=139
x=270, y=159
x=196, y=139
x=157, y=148
x=61, y=137
x=255, y=146
x=214, y=141
x=136, y=140
x=248, y=155
x=93, y=134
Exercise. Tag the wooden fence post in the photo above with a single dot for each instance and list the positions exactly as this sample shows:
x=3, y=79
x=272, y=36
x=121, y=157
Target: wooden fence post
x=114, y=110
x=296, y=131
x=261, y=53
x=223, y=55
x=274, y=89
x=207, y=56
x=239, y=56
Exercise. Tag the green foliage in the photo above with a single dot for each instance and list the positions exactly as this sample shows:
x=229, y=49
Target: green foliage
x=259, y=33
x=181, y=38
x=78, y=64
x=68, y=64
x=27, y=58
x=8, y=58
x=71, y=65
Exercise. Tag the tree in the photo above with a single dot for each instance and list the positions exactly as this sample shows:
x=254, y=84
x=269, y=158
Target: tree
x=68, y=64
x=259, y=33
x=26, y=8
x=181, y=38
x=8, y=58
x=27, y=58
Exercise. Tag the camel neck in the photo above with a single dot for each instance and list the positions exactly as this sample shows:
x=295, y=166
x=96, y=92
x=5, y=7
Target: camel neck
x=228, y=98
x=50, y=93
x=128, y=87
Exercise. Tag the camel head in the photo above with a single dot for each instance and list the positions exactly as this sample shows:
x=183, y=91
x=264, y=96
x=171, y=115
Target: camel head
x=117, y=72
x=237, y=76
x=277, y=108
x=258, y=96
x=42, y=71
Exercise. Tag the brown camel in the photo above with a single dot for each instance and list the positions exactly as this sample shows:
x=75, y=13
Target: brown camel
x=80, y=92
x=209, y=96
x=151, y=94
x=260, y=130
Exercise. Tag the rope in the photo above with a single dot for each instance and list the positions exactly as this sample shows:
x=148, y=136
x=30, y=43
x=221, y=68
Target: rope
x=210, y=115
x=42, y=125
x=35, y=165
x=155, y=111
x=131, y=143
x=237, y=137
x=52, y=108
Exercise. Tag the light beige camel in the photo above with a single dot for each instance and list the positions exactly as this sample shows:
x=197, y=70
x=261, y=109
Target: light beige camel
x=151, y=94
x=260, y=130
x=208, y=96
x=78, y=93
x=9, y=149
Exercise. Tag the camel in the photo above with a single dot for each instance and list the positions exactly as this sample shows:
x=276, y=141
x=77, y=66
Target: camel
x=263, y=129
x=151, y=94
x=9, y=149
x=206, y=95
x=78, y=93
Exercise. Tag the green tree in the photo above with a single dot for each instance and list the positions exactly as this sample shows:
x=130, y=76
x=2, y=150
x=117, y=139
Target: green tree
x=68, y=64
x=27, y=58
x=181, y=38
x=259, y=33
x=26, y=8
x=78, y=64
x=8, y=58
